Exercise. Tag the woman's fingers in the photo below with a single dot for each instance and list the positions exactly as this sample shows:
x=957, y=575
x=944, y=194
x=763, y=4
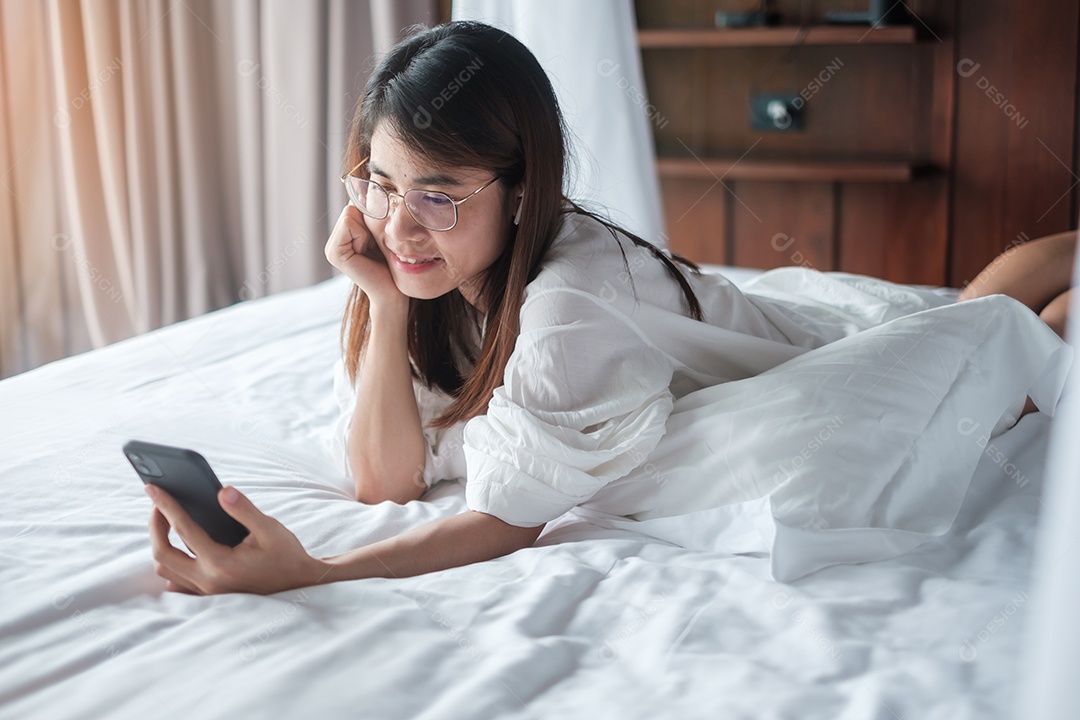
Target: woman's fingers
x=189, y=531
x=176, y=566
x=353, y=250
x=175, y=581
x=241, y=509
x=163, y=550
x=173, y=586
x=349, y=239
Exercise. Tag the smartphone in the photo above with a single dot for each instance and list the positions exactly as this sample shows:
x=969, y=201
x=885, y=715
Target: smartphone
x=186, y=476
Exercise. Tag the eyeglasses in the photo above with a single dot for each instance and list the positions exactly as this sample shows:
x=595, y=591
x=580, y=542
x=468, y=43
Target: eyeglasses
x=429, y=208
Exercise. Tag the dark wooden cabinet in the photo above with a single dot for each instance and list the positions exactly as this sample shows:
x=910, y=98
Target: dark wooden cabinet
x=909, y=167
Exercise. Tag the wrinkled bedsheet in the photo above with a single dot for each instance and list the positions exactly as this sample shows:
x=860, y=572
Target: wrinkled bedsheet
x=591, y=622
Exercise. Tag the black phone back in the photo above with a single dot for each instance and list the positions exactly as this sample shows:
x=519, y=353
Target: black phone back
x=186, y=476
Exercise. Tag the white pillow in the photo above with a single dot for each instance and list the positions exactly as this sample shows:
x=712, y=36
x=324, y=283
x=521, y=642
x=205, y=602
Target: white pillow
x=857, y=451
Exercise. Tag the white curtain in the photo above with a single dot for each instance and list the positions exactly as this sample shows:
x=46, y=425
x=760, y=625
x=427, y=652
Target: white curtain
x=589, y=50
x=1051, y=666
x=161, y=159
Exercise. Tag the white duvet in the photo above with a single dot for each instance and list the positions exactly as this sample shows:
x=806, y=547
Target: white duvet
x=593, y=622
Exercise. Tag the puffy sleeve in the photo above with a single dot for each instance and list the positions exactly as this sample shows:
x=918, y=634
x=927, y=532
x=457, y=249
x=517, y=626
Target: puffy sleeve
x=585, y=398
x=444, y=451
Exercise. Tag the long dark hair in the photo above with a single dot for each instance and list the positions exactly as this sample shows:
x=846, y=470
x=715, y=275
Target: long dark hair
x=466, y=94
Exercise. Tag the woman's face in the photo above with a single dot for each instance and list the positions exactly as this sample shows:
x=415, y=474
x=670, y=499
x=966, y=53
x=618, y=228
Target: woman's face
x=464, y=252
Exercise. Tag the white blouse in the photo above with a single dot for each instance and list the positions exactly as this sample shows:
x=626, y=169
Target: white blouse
x=596, y=370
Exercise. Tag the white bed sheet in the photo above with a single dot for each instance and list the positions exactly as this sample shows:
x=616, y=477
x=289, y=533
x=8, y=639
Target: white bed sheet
x=591, y=622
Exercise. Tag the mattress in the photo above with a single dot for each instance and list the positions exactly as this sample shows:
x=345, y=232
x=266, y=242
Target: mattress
x=590, y=622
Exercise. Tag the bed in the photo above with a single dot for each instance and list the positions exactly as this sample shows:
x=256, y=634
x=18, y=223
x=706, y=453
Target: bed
x=590, y=622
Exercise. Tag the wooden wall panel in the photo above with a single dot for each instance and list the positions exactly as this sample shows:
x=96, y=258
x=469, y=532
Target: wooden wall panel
x=673, y=80
x=697, y=219
x=1012, y=175
x=776, y=224
x=995, y=179
x=1075, y=210
x=865, y=108
x=900, y=231
x=1076, y=140
x=701, y=13
x=897, y=231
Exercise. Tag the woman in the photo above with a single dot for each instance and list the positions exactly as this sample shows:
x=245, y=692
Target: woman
x=498, y=332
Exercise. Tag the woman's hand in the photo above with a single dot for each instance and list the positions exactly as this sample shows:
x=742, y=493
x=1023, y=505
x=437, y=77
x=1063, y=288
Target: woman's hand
x=352, y=250
x=269, y=560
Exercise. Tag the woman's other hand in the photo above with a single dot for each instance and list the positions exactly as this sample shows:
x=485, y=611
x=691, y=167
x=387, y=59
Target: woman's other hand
x=352, y=250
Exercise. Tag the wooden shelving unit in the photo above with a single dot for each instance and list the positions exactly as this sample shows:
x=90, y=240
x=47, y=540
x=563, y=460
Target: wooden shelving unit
x=774, y=36
x=871, y=164
x=795, y=170
x=905, y=167
x=856, y=171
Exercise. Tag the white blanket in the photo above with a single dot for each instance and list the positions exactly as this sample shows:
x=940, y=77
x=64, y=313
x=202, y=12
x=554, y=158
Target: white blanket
x=592, y=622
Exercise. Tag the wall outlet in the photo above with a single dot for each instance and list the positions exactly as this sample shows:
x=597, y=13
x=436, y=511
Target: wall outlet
x=772, y=112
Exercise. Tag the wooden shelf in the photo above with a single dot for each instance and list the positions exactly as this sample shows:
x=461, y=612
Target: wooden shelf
x=776, y=36
x=853, y=171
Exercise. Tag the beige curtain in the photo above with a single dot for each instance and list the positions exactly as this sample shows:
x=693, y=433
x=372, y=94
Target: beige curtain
x=163, y=158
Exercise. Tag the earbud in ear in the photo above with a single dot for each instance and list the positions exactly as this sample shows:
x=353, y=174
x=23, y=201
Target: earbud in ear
x=521, y=204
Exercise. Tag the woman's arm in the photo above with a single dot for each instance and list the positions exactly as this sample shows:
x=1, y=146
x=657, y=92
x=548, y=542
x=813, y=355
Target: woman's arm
x=271, y=559
x=386, y=439
x=451, y=542
x=1034, y=273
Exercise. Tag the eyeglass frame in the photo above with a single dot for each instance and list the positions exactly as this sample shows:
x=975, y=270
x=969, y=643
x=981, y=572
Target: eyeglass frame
x=455, y=203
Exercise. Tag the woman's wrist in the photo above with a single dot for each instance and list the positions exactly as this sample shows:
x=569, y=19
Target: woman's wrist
x=394, y=311
x=321, y=571
x=349, y=565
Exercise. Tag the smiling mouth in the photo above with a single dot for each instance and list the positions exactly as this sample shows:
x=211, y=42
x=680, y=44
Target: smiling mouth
x=416, y=261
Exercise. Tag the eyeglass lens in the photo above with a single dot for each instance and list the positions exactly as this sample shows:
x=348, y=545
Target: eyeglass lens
x=433, y=210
